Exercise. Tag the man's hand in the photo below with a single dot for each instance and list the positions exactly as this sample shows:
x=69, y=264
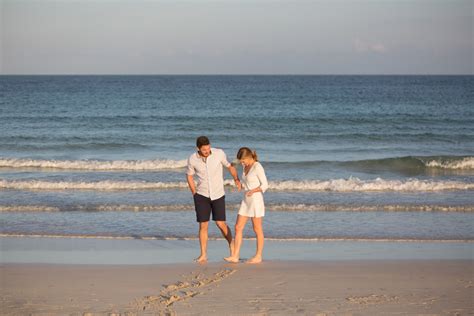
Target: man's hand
x=192, y=186
x=238, y=184
x=233, y=172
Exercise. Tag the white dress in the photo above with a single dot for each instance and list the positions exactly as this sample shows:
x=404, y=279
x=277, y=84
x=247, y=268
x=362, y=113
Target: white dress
x=253, y=206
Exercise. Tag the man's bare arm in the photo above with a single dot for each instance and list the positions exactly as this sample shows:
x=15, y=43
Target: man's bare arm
x=191, y=184
x=234, y=174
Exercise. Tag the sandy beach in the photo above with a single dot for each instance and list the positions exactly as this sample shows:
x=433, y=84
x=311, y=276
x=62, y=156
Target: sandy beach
x=378, y=287
x=91, y=276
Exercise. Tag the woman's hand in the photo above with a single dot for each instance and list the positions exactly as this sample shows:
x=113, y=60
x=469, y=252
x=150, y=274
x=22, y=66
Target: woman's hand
x=250, y=192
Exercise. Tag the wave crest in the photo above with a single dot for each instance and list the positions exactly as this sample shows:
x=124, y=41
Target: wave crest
x=396, y=163
x=466, y=163
x=106, y=185
x=336, y=185
x=156, y=164
x=356, y=185
x=278, y=207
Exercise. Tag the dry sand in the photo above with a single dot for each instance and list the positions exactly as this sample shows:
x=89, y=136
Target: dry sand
x=416, y=287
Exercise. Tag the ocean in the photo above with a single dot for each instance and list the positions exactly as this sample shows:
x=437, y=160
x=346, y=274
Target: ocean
x=347, y=157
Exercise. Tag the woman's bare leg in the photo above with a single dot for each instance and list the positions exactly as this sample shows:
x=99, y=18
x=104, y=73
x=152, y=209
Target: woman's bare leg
x=258, y=229
x=239, y=229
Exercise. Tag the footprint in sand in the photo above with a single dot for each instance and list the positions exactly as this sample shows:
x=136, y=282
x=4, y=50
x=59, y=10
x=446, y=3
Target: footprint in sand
x=180, y=291
x=466, y=283
x=372, y=299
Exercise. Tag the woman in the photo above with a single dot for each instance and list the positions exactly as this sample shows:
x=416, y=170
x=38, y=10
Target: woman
x=252, y=206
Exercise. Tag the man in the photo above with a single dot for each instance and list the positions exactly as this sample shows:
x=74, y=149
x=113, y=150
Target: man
x=209, y=196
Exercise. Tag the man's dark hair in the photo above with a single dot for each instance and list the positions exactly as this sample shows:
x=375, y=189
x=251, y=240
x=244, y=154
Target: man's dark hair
x=202, y=141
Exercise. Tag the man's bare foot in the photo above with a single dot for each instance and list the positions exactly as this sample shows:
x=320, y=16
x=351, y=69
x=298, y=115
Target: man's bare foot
x=201, y=259
x=256, y=259
x=232, y=259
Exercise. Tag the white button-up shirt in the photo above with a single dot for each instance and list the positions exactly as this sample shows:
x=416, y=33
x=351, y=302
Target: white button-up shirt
x=209, y=172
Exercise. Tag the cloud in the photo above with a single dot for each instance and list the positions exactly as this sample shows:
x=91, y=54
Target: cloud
x=361, y=46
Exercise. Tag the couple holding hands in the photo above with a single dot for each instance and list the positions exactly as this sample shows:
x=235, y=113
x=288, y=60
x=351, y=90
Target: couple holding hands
x=209, y=196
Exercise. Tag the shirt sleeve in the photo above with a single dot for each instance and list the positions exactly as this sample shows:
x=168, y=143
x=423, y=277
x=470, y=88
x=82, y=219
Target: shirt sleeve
x=262, y=178
x=224, y=161
x=190, y=168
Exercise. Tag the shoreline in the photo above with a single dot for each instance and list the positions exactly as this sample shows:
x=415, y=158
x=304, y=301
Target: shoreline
x=156, y=251
x=296, y=239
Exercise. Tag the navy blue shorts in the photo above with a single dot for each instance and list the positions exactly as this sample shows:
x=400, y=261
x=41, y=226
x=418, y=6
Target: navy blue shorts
x=204, y=207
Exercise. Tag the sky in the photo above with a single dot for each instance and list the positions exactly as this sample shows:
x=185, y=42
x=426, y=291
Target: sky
x=236, y=37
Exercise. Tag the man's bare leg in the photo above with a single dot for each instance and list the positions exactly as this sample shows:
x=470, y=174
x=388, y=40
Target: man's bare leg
x=203, y=227
x=239, y=228
x=227, y=233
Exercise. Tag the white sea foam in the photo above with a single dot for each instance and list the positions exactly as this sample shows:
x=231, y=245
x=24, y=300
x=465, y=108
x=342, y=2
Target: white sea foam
x=337, y=185
x=98, y=208
x=110, y=165
x=465, y=163
x=106, y=185
x=280, y=207
x=29, y=208
x=369, y=207
x=356, y=185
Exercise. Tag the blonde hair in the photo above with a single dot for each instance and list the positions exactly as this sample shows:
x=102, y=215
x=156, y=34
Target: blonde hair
x=246, y=152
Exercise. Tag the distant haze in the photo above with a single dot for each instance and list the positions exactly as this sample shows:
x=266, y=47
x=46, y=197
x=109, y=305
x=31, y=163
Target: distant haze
x=236, y=37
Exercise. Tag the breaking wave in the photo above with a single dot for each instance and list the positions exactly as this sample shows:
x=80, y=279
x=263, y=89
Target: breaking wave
x=282, y=207
x=351, y=184
x=398, y=163
x=104, y=165
x=357, y=185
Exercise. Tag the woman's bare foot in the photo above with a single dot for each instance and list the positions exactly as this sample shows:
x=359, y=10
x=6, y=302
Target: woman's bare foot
x=201, y=259
x=256, y=259
x=232, y=259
